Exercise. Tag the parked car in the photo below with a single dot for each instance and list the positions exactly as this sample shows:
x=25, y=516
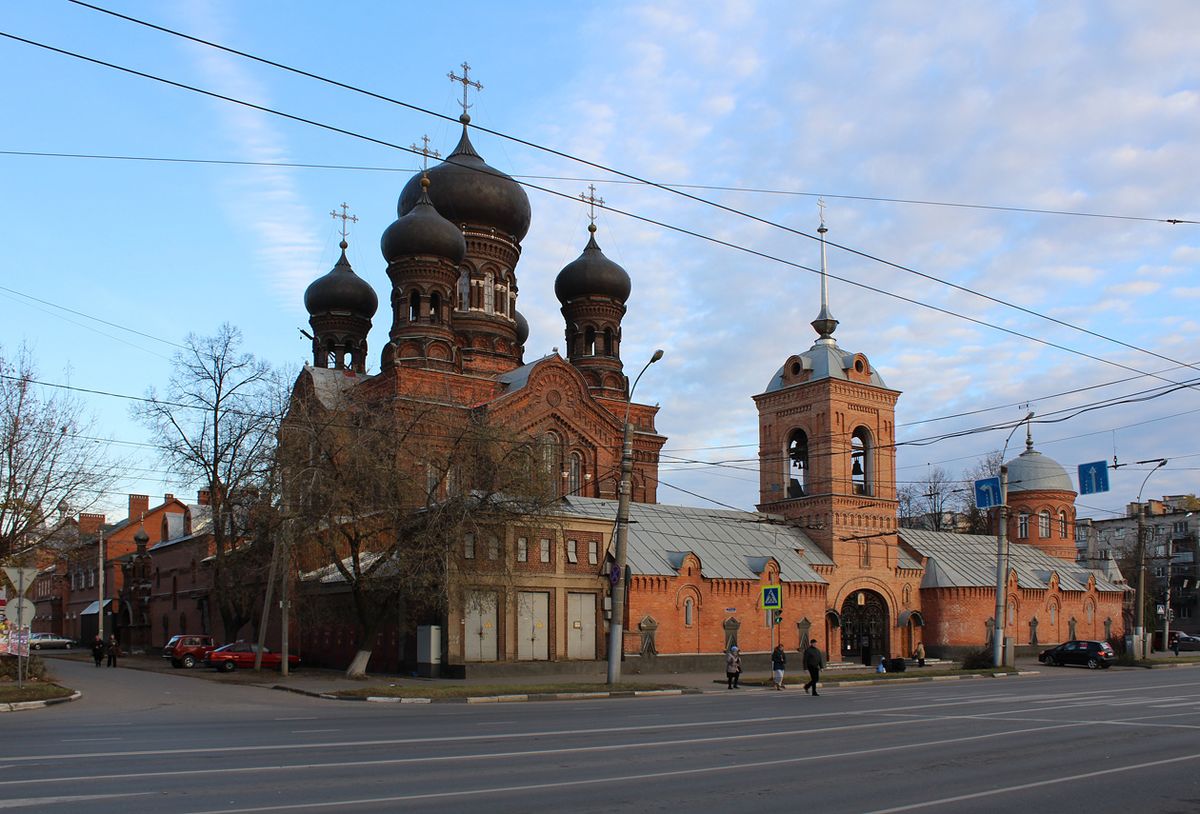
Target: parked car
x=241, y=654
x=46, y=641
x=188, y=650
x=1086, y=653
x=1188, y=642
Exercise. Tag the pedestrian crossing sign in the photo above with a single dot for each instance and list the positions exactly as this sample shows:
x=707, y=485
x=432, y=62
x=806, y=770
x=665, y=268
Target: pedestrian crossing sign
x=772, y=597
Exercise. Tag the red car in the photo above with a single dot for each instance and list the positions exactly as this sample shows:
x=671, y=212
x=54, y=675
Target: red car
x=241, y=654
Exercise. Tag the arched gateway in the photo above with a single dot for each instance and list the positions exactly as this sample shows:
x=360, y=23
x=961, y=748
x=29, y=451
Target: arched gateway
x=864, y=618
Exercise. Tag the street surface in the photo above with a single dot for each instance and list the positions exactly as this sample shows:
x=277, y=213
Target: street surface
x=1119, y=740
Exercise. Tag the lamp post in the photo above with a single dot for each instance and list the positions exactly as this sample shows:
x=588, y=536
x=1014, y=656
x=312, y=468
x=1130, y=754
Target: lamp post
x=1139, y=611
x=616, y=625
x=1001, y=543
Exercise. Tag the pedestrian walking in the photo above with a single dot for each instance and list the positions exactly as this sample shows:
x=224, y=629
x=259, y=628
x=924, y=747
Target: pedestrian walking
x=1175, y=645
x=112, y=650
x=733, y=668
x=919, y=654
x=778, y=661
x=882, y=667
x=98, y=650
x=814, y=661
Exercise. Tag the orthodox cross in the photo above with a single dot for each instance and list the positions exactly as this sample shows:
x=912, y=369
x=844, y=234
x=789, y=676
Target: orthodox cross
x=592, y=201
x=821, y=209
x=425, y=151
x=465, y=79
x=344, y=217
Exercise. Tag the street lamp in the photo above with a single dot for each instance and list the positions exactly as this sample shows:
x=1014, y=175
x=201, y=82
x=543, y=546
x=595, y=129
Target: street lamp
x=1139, y=623
x=615, y=627
x=1001, y=543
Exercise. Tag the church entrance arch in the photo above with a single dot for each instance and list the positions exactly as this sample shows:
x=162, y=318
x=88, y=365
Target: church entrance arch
x=864, y=617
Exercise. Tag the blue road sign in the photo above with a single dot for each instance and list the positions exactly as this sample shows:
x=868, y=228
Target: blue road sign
x=1093, y=477
x=772, y=598
x=987, y=493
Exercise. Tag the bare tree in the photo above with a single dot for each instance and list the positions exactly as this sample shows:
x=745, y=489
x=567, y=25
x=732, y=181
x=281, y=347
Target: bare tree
x=910, y=507
x=400, y=500
x=215, y=425
x=977, y=521
x=51, y=465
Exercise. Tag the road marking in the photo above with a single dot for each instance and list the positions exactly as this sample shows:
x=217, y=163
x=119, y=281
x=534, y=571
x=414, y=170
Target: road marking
x=310, y=731
x=87, y=740
x=298, y=718
x=24, y=802
x=493, y=723
x=1038, y=784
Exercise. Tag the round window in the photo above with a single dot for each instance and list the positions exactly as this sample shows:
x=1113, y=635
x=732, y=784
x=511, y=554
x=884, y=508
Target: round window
x=795, y=368
x=858, y=365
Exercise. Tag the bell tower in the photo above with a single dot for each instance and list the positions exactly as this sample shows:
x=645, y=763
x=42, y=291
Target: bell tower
x=827, y=446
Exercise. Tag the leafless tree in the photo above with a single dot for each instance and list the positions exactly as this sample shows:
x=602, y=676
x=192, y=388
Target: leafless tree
x=51, y=464
x=976, y=518
x=398, y=500
x=215, y=425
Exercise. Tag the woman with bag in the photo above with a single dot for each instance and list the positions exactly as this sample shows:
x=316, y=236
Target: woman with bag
x=733, y=668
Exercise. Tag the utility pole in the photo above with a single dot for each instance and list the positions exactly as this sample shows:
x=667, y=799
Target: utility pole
x=1001, y=571
x=100, y=582
x=1139, y=612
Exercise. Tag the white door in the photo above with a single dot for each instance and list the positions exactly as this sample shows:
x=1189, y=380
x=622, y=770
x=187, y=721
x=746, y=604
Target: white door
x=479, y=634
x=581, y=626
x=533, y=618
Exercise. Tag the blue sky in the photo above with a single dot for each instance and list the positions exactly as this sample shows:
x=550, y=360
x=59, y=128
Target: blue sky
x=1086, y=107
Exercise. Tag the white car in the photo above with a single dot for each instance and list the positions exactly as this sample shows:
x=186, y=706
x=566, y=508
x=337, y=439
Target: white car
x=46, y=641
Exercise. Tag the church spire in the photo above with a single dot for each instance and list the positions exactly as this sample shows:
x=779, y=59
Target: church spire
x=824, y=324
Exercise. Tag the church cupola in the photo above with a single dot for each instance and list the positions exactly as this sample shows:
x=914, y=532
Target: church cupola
x=424, y=252
x=593, y=291
x=492, y=212
x=340, y=306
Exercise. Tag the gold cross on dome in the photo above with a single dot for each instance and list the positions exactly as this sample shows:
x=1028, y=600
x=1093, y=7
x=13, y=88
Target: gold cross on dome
x=465, y=79
x=425, y=151
x=592, y=201
x=344, y=217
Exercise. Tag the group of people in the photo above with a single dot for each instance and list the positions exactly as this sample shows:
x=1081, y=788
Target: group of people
x=814, y=662
x=102, y=649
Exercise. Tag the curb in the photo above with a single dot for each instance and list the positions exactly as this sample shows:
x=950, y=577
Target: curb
x=49, y=702
x=494, y=699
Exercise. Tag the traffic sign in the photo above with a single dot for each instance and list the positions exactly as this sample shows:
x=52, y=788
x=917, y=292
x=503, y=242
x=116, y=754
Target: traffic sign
x=1093, y=477
x=22, y=578
x=19, y=611
x=772, y=597
x=987, y=493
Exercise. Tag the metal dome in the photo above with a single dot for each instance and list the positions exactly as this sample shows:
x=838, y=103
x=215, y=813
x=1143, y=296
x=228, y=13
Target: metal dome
x=1032, y=471
x=341, y=290
x=592, y=274
x=423, y=231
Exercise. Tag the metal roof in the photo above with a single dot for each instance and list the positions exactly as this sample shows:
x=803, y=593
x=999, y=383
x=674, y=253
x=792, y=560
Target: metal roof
x=730, y=544
x=969, y=561
x=825, y=360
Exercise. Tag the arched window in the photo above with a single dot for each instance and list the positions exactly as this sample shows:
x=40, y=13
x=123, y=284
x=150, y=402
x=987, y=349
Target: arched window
x=1023, y=526
x=435, y=307
x=689, y=612
x=489, y=292
x=550, y=453
x=1044, y=524
x=797, y=456
x=464, y=289
x=1062, y=525
x=589, y=341
x=609, y=350
x=575, y=474
x=862, y=464
x=414, y=306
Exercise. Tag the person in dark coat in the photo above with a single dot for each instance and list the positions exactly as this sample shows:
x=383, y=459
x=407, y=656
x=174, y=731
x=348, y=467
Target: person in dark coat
x=112, y=649
x=733, y=667
x=778, y=662
x=814, y=661
x=98, y=650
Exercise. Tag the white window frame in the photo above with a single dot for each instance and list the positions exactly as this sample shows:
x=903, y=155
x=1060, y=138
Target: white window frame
x=572, y=551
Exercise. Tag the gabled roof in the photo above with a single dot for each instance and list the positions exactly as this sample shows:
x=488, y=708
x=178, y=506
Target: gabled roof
x=969, y=561
x=729, y=544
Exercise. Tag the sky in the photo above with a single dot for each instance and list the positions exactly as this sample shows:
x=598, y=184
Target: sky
x=997, y=177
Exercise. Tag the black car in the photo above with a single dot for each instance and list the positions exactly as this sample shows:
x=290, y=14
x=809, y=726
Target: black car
x=1090, y=654
x=1188, y=642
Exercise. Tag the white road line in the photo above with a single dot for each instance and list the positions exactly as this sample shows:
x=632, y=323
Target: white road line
x=297, y=718
x=311, y=731
x=88, y=740
x=25, y=802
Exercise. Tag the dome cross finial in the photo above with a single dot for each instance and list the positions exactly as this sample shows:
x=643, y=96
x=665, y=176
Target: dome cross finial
x=592, y=201
x=467, y=83
x=344, y=216
x=824, y=324
x=426, y=151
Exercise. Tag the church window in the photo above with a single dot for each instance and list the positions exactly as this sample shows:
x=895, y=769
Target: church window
x=522, y=549
x=593, y=552
x=1023, y=526
x=572, y=551
x=1062, y=525
x=468, y=546
x=1044, y=524
x=414, y=306
x=502, y=297
x=435, y=307
x=551, y=455
x=862, y=464
x=589, y=341
x=489, y=292
x=689, y=612
x=797, y=454
x=544, y=549
x=609, y=348
x=464, y=289
x=575, y=474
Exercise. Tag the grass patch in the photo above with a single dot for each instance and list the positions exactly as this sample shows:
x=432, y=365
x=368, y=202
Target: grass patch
x=32, y=691
x=465, y=691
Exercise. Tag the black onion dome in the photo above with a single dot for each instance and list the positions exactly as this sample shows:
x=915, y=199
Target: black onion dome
x=341, y=290
x=465, y=190
x=592, y=274
x=423, y=231
x=522, y=327
x=141, y=538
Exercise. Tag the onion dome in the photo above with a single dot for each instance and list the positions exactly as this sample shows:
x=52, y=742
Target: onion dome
x=465, y=190
x=1031, y=471
x=522, y=327
x=141, y=538
x=341, y=290
x=592, y=274
x=423, y=231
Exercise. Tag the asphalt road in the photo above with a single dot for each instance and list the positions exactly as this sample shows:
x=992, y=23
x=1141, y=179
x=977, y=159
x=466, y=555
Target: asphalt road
x=1121, y=740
